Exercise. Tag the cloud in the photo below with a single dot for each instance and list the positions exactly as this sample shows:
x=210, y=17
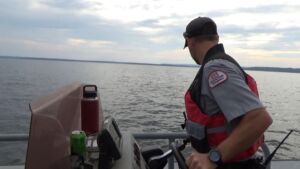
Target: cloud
x=148, y=30
x=65, y=4
x=252, y=40
x=89, y=43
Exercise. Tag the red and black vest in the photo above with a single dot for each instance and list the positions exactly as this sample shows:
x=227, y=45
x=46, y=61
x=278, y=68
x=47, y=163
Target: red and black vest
x=208, y=131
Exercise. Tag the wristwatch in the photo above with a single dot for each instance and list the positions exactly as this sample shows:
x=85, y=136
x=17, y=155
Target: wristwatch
x=215, y=157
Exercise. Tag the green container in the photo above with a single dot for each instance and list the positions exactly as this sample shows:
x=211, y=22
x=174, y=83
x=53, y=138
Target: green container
x=78, y=143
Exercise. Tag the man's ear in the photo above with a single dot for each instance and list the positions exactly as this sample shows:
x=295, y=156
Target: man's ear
x=192, y=42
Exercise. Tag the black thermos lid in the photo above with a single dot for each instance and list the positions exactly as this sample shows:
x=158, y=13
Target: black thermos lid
x=89, y=91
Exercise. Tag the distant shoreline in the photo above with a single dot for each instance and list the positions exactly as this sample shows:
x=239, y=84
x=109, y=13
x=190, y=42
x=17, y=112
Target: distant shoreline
x=268, y=69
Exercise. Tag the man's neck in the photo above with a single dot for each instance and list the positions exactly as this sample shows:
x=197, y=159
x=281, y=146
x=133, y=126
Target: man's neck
x=206, y=47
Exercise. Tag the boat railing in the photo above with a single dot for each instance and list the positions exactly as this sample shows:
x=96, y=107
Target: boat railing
x=13, y=137
x=171, y=137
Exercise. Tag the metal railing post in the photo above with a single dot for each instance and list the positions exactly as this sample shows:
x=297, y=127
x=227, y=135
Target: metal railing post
x=171, y=159
x=13, y=137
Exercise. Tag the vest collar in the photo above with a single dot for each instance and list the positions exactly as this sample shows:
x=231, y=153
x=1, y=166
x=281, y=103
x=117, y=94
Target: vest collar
x=219, y=48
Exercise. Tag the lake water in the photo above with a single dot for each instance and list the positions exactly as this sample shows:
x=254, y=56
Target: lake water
x=143, y=98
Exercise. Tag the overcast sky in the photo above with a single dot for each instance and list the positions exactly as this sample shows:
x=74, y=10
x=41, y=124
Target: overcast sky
x=256, y=33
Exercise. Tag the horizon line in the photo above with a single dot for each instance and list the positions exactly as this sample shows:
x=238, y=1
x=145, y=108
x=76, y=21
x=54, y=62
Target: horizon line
x=260, y=68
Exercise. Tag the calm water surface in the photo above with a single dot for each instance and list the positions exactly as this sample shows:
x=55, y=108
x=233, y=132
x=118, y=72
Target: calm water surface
x=142, y=98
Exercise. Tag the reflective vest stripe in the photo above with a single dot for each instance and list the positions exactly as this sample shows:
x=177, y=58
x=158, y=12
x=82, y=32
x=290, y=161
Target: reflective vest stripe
x=195, y=129
x=198, y=131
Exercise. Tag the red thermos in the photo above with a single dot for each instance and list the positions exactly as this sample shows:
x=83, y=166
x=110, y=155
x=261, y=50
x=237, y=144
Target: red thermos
x=90, y=107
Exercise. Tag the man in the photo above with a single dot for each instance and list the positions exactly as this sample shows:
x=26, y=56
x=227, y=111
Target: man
x=225, y=118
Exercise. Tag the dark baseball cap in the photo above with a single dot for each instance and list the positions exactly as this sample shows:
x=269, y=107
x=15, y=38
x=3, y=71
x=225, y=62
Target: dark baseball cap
x=200, y=26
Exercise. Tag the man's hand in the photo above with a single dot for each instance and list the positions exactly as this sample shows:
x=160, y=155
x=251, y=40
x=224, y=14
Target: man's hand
x=199, y=161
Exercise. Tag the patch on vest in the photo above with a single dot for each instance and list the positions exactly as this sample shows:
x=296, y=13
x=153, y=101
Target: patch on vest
x=217, y=77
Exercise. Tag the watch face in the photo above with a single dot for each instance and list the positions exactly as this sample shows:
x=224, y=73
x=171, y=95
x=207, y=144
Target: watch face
x=214, y=156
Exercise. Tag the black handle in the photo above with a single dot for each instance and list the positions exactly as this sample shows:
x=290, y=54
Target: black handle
x=179, y=157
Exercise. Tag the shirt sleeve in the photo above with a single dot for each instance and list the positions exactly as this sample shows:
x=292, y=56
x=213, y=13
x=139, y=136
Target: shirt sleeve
x=227, y=86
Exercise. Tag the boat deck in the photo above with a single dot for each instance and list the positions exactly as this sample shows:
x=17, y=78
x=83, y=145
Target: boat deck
x=275, y=165
x=285, y=164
